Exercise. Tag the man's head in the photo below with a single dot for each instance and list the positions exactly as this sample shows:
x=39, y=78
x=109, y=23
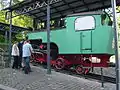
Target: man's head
x=28, y=41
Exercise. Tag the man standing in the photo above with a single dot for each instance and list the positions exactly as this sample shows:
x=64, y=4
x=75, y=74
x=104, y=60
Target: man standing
x=20, y=46
x=15, y=54
x=27, y=50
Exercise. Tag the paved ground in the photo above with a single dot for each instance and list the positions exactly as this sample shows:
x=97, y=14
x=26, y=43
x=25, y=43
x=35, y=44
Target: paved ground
x=39, y=80
x=110, y=71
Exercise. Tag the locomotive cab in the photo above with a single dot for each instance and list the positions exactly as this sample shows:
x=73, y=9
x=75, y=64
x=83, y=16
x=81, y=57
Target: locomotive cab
x=93, y=35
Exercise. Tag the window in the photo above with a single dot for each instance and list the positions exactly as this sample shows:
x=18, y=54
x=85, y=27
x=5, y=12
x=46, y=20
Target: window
x=85, y=23
x=54, y=24
x=106, y=20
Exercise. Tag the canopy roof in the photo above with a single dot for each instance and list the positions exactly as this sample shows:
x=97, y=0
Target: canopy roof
x=4, y=27
x=59, y=8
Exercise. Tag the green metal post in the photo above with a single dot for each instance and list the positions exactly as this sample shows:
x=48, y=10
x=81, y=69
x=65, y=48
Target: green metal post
x=117, y=58
x=9, y=48
x=48, y=39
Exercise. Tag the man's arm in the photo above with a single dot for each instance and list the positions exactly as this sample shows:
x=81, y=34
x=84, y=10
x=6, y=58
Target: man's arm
x=31, y=49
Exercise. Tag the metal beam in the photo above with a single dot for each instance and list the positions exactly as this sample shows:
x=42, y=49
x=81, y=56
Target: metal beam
x=34, y=6
x=4, y=27
x=68, y=10
x=42, y=10
x=10, y=32
x=48, y=39
x=27, y=10
x=117, y=57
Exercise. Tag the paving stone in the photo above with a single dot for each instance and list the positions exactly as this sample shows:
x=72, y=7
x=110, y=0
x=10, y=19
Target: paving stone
x=109, y=71
x=40, y=80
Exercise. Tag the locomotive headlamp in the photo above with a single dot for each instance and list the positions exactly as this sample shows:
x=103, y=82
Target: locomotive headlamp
x=95, y=60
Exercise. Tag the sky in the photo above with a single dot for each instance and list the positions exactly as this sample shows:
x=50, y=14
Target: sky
x=6, y=3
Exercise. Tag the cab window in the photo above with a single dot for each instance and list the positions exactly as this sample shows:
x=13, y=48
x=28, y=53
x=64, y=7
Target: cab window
x=106, y=20
x=85, y=23
x=54, y=24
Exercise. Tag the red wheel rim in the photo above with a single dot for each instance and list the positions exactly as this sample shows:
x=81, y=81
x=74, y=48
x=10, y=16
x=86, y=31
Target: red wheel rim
x=79, y=69
x=59, y=63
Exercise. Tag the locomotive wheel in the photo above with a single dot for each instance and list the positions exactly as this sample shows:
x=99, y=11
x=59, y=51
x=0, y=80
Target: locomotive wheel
x=79, y=69
x=59, y=64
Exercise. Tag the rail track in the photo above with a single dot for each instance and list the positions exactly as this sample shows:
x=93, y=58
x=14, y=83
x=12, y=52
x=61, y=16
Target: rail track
x=90, y=76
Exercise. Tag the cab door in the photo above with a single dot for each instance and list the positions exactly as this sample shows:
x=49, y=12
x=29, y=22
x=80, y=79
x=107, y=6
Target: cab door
x=86, y=41
x=85, y=25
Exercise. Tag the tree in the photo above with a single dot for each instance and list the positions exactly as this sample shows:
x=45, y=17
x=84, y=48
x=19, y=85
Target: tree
x=21, y=21
x=118, y=10
x=2, y=17
x=16, y=1
x=22, y=35
x=119, y=23
x=5, y=3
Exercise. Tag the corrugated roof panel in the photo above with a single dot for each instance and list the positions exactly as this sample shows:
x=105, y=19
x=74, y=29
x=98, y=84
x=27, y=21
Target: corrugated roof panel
x=62, y=7
x=91, y=1
x=81, y=10
x=40, y=14
x=58, y=4
x=53, y=10
x=76, y=4
x=97, y=5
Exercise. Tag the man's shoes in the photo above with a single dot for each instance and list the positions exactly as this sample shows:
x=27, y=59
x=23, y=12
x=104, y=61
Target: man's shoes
x=30, y=71
x=26, y=72
x=13, y=68
x=23, y=68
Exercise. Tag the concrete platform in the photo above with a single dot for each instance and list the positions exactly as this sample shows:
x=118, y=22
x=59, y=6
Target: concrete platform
x=39, y=80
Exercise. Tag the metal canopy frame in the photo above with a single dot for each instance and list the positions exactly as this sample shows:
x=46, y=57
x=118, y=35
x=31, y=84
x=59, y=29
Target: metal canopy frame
x=61, y=8
x=15, y=29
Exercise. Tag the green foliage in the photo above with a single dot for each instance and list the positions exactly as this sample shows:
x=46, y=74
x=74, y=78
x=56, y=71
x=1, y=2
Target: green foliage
x=2, y=39
x=2, y=17
x=21, y=35
x=118, y=10
x=119, y=23
x=23, y=21
x=16, y=1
